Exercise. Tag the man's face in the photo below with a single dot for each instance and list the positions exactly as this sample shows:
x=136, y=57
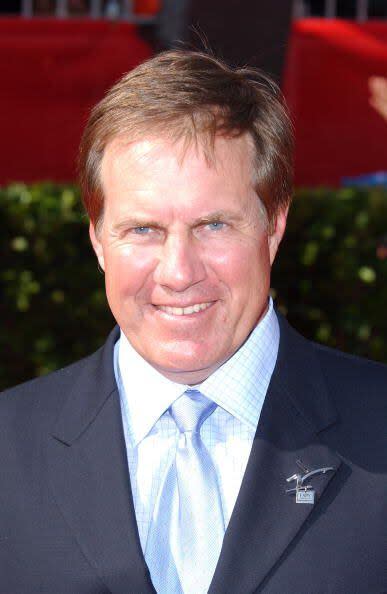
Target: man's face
x=185, y=250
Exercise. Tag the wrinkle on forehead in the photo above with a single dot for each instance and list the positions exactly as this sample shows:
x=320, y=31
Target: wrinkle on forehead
x=146, y=149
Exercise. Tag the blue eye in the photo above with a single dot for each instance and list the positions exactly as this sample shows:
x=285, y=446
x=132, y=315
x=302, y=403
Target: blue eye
x=216, y=225
x=141, y=230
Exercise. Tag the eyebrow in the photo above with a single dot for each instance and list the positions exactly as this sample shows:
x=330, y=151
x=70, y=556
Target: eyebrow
x=218, y=215
x=143, y=221
x=135, y=222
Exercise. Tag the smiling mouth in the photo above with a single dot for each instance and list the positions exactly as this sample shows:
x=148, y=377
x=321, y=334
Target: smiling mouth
x=185, y=311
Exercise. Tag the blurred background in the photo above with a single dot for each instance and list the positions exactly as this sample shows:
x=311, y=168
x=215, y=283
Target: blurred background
x=57, y=59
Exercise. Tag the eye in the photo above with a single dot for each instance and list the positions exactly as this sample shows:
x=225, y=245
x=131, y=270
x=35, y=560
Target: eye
x=216, y=225
x=143, y=230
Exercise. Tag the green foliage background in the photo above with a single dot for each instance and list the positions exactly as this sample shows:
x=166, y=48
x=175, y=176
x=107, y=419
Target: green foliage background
x=327, y=278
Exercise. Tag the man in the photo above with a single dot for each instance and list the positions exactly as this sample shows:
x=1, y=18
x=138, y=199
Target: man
x=207, y=446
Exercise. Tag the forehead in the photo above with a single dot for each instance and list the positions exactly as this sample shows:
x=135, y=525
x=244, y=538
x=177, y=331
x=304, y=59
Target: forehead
x=162, y=161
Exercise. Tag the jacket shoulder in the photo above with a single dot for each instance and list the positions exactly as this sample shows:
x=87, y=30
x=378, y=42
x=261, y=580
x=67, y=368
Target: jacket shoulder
x=50, y=390
x=45, y=393
x=359, y=372
x=358, y=388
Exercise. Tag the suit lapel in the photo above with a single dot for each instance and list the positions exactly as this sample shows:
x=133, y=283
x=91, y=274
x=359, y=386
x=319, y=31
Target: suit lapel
x=266, y=519
x=90, y=480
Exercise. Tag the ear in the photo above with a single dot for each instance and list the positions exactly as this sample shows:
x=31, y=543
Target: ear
x=97, y=245
x=277, y=233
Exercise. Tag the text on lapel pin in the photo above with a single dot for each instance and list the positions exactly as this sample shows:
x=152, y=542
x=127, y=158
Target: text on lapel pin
x=305, y=493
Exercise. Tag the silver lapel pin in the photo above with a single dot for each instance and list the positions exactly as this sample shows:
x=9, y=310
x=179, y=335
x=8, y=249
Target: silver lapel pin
x=305, y=493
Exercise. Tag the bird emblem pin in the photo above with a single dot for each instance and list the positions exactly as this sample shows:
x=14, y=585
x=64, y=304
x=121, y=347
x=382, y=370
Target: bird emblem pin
x=305, y=493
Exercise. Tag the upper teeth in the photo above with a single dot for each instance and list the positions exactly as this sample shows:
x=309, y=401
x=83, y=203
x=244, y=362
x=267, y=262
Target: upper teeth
x=183, y=311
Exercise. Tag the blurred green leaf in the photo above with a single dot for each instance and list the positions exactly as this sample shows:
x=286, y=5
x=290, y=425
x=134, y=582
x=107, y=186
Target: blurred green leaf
x=362, y=219
x=367, y=274
x=328, y=232
x=310, y=253
x=19, y=244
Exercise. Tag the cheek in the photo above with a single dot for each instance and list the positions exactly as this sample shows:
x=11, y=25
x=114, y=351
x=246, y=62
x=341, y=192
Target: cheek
x=128, y=271
x=244, y=267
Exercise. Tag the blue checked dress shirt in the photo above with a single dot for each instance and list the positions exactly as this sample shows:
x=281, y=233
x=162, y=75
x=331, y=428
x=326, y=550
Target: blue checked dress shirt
x=238, y=388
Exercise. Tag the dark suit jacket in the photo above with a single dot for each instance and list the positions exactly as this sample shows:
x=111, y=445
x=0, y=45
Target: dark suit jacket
x=67, y=523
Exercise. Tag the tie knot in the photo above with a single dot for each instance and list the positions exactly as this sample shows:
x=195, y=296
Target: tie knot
x=191, y=410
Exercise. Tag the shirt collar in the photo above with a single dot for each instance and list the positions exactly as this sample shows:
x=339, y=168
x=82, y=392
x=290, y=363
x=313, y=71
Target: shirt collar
x=145, y=393
x=239, y=385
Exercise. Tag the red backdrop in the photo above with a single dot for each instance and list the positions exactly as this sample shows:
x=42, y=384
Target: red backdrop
x=52, y=72
x=326, y=84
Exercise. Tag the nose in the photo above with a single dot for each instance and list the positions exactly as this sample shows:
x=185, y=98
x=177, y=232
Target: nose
x=180, y=265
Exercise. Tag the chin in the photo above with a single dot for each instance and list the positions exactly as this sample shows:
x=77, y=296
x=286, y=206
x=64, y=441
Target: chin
x=184, y=359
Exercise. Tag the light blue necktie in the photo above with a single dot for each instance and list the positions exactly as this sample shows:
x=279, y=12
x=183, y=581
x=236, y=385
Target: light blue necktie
x=187, y=531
